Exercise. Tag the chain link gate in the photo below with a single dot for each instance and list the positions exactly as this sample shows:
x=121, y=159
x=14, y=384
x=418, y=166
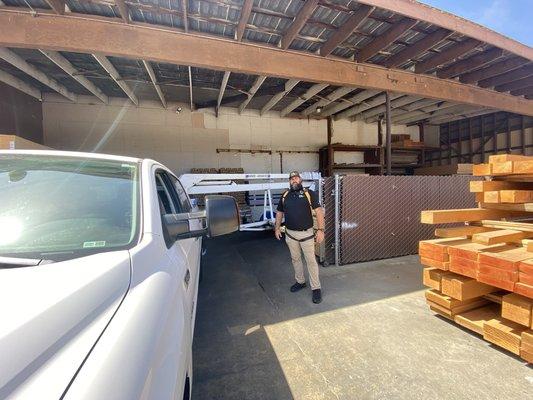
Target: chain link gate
x=375, y=217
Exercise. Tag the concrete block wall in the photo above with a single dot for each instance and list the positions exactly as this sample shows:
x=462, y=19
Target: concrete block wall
x=185, y=140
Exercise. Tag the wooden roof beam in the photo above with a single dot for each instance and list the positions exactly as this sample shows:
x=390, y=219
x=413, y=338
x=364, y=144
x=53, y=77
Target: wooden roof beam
x=111, y=70
x=516, y=85
x=350, y=102
x=403, y=110
x=298, y=23
x=435, y=16
x=313, y=90
x=289, y=85
x=378, y=100
x=123, y=10
x=66, y=66
x=17, y=61
x=344, y=32
x=19, y=84
x=57, y=5
x=243, y=19
x=153, y=78
x=525, y=91
x=223, y=85
x=446, y=55
x=417, y=48
x=253, y=90
x=508, y=77
x=468, y=64
x=399, y=102
x=385, y=39
x=83, y=33
x=330, y=98
x=493, y=70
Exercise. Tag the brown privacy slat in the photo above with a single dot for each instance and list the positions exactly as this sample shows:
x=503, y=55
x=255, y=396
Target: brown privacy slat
x=380, y=215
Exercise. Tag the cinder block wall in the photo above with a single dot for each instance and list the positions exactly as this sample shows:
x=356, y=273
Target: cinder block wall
x=186, y=140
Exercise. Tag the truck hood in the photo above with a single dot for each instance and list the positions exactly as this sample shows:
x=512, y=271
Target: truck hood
x=51, y=316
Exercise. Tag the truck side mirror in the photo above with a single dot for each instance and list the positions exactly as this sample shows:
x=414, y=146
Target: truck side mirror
x=222, y=215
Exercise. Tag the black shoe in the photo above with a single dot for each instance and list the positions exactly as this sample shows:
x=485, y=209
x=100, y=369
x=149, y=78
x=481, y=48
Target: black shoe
x=298, y=286
x=317, y=296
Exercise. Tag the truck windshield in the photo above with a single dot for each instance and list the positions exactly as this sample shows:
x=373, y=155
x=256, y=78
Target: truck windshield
x=57, y=208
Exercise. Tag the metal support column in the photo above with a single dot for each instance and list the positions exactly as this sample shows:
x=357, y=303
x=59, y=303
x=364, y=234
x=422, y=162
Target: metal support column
x=337, y=219
x=388, y=140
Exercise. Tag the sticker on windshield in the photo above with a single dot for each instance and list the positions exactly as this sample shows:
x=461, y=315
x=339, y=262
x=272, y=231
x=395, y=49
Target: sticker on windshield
x=88, y=245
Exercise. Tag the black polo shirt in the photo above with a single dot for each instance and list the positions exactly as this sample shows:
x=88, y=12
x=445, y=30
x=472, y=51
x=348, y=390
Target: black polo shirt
x=298, y=215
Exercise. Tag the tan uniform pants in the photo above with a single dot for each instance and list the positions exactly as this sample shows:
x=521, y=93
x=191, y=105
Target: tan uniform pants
x=308, y=248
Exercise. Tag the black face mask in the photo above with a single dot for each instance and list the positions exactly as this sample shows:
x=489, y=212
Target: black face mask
x=295, y=187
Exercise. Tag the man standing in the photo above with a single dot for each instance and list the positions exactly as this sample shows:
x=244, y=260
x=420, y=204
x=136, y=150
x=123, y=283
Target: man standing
x=297, y=205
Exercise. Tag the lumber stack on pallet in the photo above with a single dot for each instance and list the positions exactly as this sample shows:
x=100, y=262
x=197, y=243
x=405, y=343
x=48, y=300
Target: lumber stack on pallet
x=480, y=274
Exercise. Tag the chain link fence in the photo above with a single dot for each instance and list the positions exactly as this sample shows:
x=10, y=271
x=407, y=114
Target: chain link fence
x=379, y=216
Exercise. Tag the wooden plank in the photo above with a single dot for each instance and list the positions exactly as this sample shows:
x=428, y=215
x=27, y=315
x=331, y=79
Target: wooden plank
x=485, y=186
x=523, y=167
x=521, y=207
x=505, y=257
x=450, y=313
x=506, y=334
x=463, y=288
x=525, y=278
x=467, y=231
x=442, y=312
x=530, y=247
x=525, y=226
x=495, y=280
x=481, y=169
x=385, y=39
x=452, y=304
x=464, y=266
x=465, y=215
x=516, y=196
x=432, y=277
x=82, y=33
x=502, y=168
x=430, y=262
x=500, y=236
x=475, y=319
x=523, y=289
x=447, y=55
x=526, y=346
x=518, y=309
x=470, y=63
x=243, y=19
x=344, y=32
x=472, y=250
x=498, y=158
x=526, y=266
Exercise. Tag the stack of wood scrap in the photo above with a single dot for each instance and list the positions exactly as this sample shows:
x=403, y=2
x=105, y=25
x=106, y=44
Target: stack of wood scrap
x=453, y=169
x=481, y=273
x=407, y=143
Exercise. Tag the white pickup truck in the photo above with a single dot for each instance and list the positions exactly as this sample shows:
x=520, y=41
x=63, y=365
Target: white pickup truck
x=99, y=269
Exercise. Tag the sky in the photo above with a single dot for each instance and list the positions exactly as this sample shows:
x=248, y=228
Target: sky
x=513, y=18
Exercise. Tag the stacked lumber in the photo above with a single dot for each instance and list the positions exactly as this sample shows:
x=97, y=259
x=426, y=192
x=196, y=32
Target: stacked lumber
x=405, y=141
x=480, y=274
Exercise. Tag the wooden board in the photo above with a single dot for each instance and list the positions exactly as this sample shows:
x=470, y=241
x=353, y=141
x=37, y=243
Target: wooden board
x=465, y=215
x=472, y=250
x=526, y=226
x=486, y=186
x=522, y=207
x=450, y=313
x=523, y=167
x=438, y=310
x=525, y=278
x=526, y=266
x=530, y=247
x=432, y=277
x=497, y=274
x=450, y=303
x=495, y=280
x=474, y=319
x=517, y=308
x=429, y=262
x=506, y=334
x=508, y=259
x=500, y=236
x=523, y=289
x=464, y=288
x=464, y=266
x=482, y=169
x=498, y=158
x=466, y=231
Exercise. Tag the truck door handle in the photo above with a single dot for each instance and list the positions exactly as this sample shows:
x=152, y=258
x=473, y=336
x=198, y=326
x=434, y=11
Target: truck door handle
x=187, y=278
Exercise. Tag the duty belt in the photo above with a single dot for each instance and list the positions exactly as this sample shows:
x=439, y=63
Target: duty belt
x=305, y=239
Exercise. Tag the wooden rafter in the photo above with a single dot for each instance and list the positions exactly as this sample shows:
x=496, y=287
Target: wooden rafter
x=330, y=98
x=15, y=82
x=305, y=12
x=508, y=77
x=525, y=91
x=17, y=61
x=223, y=85
x=344, y=32
x=243, y=19
x=253, y=90
x=376, y=101
x=400, y=102
x=447, y=55
x=385, y=39
x=313, y=90
x=356, y=99
x=66, y=66
x=57, y=5
x=417, y=48
x=516, y=85
x=493, y=70
x=153, y=78
x=468, y=64
x=407, y=108
x=123, y=10
x=289, y=85
x=112, y=71
x=96, y=35
x=185, y=10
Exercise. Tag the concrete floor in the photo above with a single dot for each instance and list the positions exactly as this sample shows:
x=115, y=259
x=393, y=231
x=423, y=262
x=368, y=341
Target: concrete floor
x=373, y=337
